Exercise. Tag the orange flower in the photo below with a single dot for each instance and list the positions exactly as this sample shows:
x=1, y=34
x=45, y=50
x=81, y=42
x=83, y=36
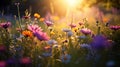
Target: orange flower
x=52, y=33
x=47, y=47
x=27, y=33
x=42, y=19
x=36, y=15
x=105, y=19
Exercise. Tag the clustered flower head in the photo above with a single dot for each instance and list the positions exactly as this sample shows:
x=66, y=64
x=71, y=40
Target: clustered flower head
x=5, y=24
x=86, y=31
x=115, y=27
x=65, y=58
x=37, y=31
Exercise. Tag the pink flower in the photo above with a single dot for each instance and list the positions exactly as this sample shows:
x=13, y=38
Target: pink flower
x=81, y=23
x=48, y=23
x=34, y=28
x=5, y=24
x=2, y=64
x=115, y=27
x=25, y=60
x=72, y=25
x=85, y=31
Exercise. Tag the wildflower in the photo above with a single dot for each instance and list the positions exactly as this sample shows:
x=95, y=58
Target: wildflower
x=116, y=27
x=5, y=24
x=34, y=28
x=47, y=54
x=36, y=15
x=65, y=58
x=66, y=30
x=100, y=42
x=85, y=46
x=105, y=19
x=41, y=36
x=48, y=23
x=70, y=33
x=85, y=31
x=2, y=64
x=52, y=33
x=51, y=42
x=42, y=19
x=37, y=31
x=81, y=23
x=72, y=25
x=25, y=60
x=27, y=33
x=81, y=37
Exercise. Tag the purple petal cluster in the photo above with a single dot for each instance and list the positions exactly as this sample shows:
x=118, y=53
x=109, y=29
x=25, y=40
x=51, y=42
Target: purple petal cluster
x=5, y=24
x=72, y=25
x=65, y=58
x=100, y=42
x=37, y=31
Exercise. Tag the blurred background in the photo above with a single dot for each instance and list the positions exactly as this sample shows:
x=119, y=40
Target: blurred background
x=58, y=7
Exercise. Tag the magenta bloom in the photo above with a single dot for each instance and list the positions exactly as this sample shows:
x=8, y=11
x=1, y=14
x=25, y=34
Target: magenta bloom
x=25, y=60
x=37, y=31
x=5, y=24
x=114, y=27
x=2, y=64
x=72, y=25
x=85, y=31
x=48, y=23
x=41, y=36
x=34, y=28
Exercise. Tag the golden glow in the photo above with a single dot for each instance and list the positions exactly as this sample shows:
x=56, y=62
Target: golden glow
x=72, y=3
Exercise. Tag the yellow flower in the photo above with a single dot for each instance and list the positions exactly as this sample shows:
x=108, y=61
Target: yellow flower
x=27, y=33
x=42, y=19
x=36, y=15
x=52, y=33
x=75, y=29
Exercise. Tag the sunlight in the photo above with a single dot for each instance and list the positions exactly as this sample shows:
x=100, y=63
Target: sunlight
x=72, y=3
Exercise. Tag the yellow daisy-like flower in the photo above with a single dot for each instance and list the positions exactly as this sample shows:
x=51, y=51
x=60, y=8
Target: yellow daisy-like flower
x=75, y=29
x=52, y=33
x=42, y=19
x=27, y=33
x=36, y=15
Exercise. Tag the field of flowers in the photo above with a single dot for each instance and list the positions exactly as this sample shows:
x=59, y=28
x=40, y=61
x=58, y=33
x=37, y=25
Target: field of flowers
x=51, y=41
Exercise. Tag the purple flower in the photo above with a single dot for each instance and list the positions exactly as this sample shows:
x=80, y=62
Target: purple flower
x=25, y=60
x=85, y=31
x=65, y=58
x=51, y=42
x=41, y=36
x=47, y=54
x=100, y=42
x=5, y=24
x=48, y=23
x=116, y=27
x=37, y=31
